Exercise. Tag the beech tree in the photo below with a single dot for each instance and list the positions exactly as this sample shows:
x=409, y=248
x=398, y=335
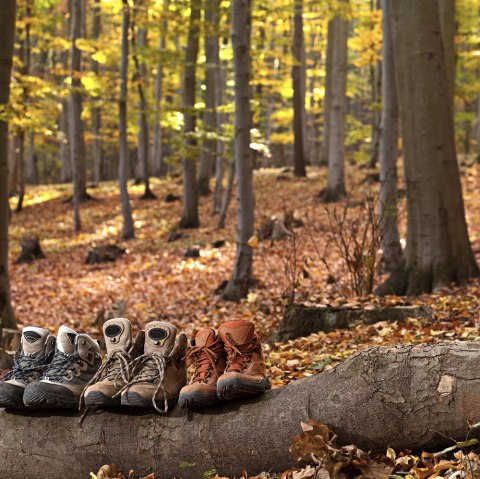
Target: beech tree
x=298, y=77
x=238, y=284
x=96, y=110
x=388, y=151
x=7, y=38
x=127, y=231
x=337, y=105
x=438, y=250
x=190, y=217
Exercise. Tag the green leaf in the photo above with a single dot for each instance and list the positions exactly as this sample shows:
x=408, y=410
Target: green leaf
x=187, y=464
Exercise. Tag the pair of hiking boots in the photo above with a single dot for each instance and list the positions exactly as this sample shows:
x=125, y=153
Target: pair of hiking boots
x=50, y=372
x=148, y=370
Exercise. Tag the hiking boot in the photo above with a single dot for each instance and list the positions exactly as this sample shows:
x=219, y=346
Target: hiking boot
x=77, y=359
x=37, y=350
x=209, y=358
x=104, y=388
x=159, y=374
x=245, y=374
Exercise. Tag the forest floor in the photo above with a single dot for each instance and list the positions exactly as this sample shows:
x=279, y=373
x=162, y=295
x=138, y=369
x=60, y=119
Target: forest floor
x=159, y=282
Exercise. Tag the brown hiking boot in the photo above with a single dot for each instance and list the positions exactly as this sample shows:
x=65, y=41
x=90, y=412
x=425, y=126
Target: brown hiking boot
x=104, y=388
x=245, y=374
x=158, y=375
x=209, y=359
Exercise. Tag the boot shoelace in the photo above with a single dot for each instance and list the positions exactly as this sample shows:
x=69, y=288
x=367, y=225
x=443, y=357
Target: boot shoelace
x=149, y=367
x=25, y=366
x=114, y=368
x=238, y=355
x=205, y=358
x=61, y=365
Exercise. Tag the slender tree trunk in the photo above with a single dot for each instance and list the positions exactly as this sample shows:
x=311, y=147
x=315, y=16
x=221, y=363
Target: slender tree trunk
x=298, y=78
x=438, y=250
x=19, y=142
x=446, y=10
x=327, y=99
x=77, y=145
x=143, y=149
x=209, y=148
x=238, y=284
x=127, y=231
x=335, y=189
x=96, y=110
x=7, y=27
x=157, y=150
x=227, y=197
x=392, y=250
x=190, y=217
x=376, y=83
x=32, y=170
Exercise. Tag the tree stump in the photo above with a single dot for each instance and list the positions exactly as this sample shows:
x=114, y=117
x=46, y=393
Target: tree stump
x=416, y=397
x=300, y=320
x=11, y=339
x=104, y=254
x=31, y=249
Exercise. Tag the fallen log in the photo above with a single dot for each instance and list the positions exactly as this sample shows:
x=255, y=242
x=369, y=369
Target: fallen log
x=413, y=397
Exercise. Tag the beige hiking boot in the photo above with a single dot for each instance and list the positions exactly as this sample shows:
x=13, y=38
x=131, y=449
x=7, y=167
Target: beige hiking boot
x=159, y=374
x=245, y=374
x=209, y=358
x=104, y=388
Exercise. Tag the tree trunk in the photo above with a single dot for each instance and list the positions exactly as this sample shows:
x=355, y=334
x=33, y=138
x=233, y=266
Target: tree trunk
x=327, y=98
x=227, y=197
x=127, y=230
x=376, y=84
x=392, y=250
x=32, y=170
x=65, y=160
x=157, y=150
x=143, y=149
x=298, y=78
x=77, y=141
x=419, y=397
x=335, y=189
x=212, y=59
x=238, y=284
x=7, y=27
x=96, y=110
x=438, y=250
x=190, y=217
x=446, y=10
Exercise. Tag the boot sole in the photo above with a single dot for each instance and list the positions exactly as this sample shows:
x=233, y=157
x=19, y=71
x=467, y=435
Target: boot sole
x=135, y=400
x=42, y=400
x=238, y=388
x=97, y=398
x=10, y=401
x=196, y=400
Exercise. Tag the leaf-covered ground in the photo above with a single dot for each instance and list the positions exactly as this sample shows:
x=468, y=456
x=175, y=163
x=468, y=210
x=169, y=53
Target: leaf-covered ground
x=157, y=281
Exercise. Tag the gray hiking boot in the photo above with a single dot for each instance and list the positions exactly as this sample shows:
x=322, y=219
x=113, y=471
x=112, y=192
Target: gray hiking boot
x=104, y=388
x=76, y=361
x=160, y=373
x=38, y=347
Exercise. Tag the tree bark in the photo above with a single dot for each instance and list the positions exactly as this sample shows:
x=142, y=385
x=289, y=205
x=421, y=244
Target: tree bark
x=238, y=284
x=190, y=218
x=438, y=250
x=76, y=138
x=127, y=230
x=227, y=197
x=212, y=59
x=7, y=38
x=335, y=189
x=157, y=150
x=143, y=149
x=446, y=10
x=298, y=77
x=392, y=250
x=96, y=110
x=404, y=397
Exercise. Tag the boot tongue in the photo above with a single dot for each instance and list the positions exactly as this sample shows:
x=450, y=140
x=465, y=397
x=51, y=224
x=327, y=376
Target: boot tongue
x=239, y=331
x=205, y=337
x=118, y=334
x=66, y=340
x=159, y=337
x=33, y=340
